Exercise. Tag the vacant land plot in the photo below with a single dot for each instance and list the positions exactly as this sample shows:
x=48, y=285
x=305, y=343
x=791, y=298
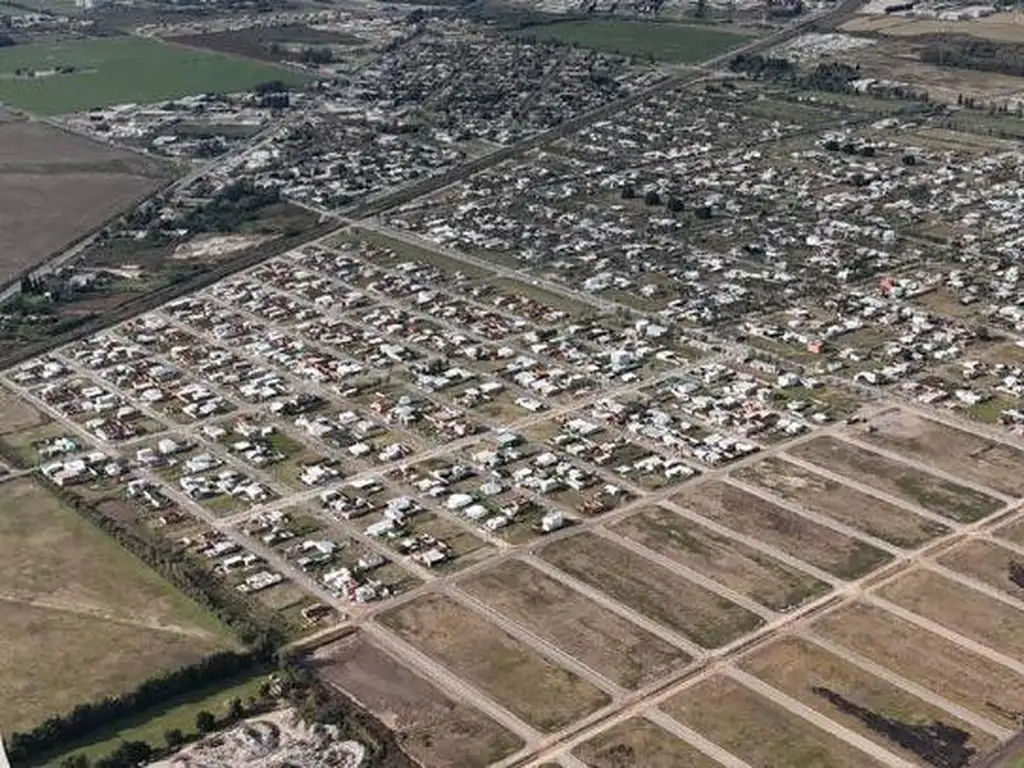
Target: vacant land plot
x=817, y=493
x=663, y=41
x=17, y=415
x=651, y=590
x=271, y=43
x=540, y=693
x=602, y=640
x=982, y=618
x=432, y=728
x=748, y=514
x=1013, y=532
x=854, y=698
x=933, y=493
x=121, y=70
x=640, y=742
x=759, y=731
x=56, y=187
x=930, y=660
x=989, y=463
x=749, y=572
x=1007, y=27
x=988, y=562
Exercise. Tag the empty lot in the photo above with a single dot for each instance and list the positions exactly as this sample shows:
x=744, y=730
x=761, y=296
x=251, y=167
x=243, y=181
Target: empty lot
x=931, y=492
x=534, y=689
x=812, y=542
x=649, y=589
x=820, y=494
x=430, y=726
x=640, y=742
x=988, y=562
x=602, y=640
x=741, y=568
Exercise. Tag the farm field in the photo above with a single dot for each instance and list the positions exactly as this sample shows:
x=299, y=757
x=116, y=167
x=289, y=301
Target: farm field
x=988, y=562
x=534, y=689
x=730, y=563
x=928, y=659
x=964, y=610
x=820, y=494
x=852, y=698
x=640, y=742
x=259, y=42
x=664, y=41
x=434, y=729
x=759, y=731
x=56, y=187
x=657, y=593
x=121, y=70
x=81, y=617
x=812, y=542
x=931, y=492
x=600, y=639
x=989, y=463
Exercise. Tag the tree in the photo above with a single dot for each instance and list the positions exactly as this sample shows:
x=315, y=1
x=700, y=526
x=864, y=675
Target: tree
x=173, y=737
x=674, y=204
x=702, y=9
x=205, y=721
x=652, y=198
x=235, y=709
x=75, y=761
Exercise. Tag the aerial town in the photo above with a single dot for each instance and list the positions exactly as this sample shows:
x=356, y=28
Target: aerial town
x=526, y=385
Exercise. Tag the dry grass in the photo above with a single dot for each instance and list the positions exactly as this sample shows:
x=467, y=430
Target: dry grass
x=1008, y=27
x=640, y=742
x=987, y=562
x=540, y=693
x=16, y=414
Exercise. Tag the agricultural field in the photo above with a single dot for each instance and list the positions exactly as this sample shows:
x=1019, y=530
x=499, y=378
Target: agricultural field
x=797, y=536
x=603, y=641
x=640, y=742
x=933, y=493
x=817, y=493
x=56, y=187
x=122, y=70
x=665, y=41
x=730, y=563
x=431, y=727
x=81, y=618
x=272, y=43
x=655, y=592
x=531, y=687
x=988, y=463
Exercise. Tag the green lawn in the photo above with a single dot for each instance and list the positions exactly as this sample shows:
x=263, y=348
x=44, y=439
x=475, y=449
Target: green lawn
x=123, y=70
x=665, y=41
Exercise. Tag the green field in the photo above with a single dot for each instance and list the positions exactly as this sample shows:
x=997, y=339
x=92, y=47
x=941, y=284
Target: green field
x=123, y=70
x=665, y=41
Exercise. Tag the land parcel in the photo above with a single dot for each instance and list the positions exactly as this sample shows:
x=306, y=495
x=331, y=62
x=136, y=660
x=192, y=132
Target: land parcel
x=80, y=618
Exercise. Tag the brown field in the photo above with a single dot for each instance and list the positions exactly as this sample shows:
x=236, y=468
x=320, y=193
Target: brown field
x=55, y=187
x=17, y=415
x=257, y=42
x=600, y=639
x=432, y=728
x=1007, y=27
x=818, y=493
x=928, y=659
x=985, y=561
x=748, y=514
x=988, y=621
x=759, y=731
x=1012, y=532
x=539, y=692
x=640, y=742
x=649, y=589
x=801, y=669
x=986, y=462
x=749, y=572
x=933, y=493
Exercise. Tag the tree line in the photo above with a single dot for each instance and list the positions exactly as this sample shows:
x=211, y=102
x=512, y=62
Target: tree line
x=971, y=53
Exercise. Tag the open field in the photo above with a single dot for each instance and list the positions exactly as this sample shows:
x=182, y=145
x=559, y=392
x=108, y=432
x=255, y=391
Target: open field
x=819, y=494
x=642, y=743
x=534, y=689
x=987, y=562
x=928, y=491
x=1012, y=532
x=1007, y=27
x=432, y=728
x=728, y=562
x=982, y=618
x=757, y=730
x=72, y=598
x=122, y=70
x=852, y=697
x=260, y=42
x=16, y=415
x=600, y=639
x=797, y=536
x=655, y=592
x=56, y=187
x=989, y=463
x=928, y=659
x=663, y=41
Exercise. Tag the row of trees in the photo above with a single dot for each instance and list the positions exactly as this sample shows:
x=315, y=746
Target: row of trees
x=972, y=53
